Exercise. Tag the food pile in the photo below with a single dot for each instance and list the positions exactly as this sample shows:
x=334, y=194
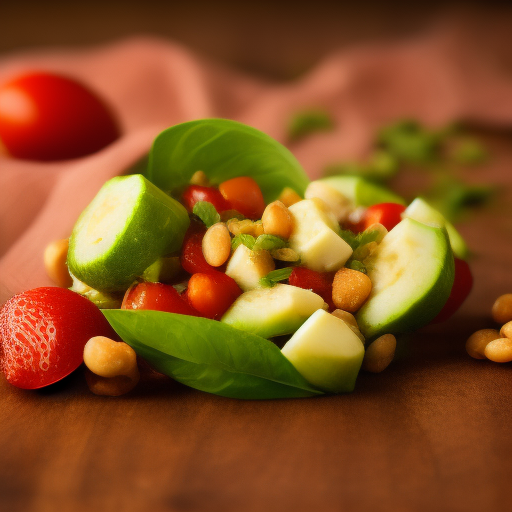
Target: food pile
x=226, y=269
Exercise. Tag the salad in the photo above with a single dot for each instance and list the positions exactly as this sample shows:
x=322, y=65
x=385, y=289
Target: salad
x=226, y=269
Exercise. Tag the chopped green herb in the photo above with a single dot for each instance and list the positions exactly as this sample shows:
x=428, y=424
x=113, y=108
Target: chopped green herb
x=206, y=212
x=272, y=278
x=350, y=238
x=269, y=243
x=309, y=121
x=357, y=265
x=469, y=152
x=358, y=240
x=247, y=240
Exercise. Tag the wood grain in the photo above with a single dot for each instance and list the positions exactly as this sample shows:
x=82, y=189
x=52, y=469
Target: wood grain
x=430, y=433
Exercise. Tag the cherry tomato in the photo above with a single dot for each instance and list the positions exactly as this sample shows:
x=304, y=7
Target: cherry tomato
x=319, y=283
x=462, y=285
x=196, y=193
x=387, y=214
x=43, y=333
x=192, y=259
x=244, y=195
x=46, y=117
x=157, y=297
x=212, y=294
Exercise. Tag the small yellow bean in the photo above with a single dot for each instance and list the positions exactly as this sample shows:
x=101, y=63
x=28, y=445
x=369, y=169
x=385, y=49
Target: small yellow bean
x=476, y=343
x=217, y=245
x=245, y=227
x=506, y=330
x=113, y=364
x=277, y=220
x=499, y=351
x=55, y=256
x=502, y=309
x=379, y=354
x=350, y=289
x=199, y=178
x=288, y=197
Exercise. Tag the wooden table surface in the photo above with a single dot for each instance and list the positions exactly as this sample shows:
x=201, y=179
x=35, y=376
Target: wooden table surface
x=432, y=432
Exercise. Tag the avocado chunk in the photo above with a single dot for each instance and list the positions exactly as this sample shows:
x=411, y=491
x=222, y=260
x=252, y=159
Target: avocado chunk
x=362, y=192
x=274, y=311
x=315, y=236
x=326, y=352
x=247, y=267
x=412, y=273
x=421, y=211
x=127, y=227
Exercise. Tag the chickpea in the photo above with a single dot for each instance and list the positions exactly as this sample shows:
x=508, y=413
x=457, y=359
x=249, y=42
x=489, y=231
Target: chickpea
x=217, y=245
x=476, y=343
x=499, y=351
x=55, y=256
x=350, y=289
x=288, y=197
x=199, y=178
x=379, y=354
x=113, y=366
x=506, y=330
x=277, y=220
x=502, y=309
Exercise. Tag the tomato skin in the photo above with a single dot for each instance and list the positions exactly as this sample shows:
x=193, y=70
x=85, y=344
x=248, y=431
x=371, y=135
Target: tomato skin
x=43, y=333
x=48, y=117
x=462, y=285
x=244, y=195
x=318, y=282
x=196, y=193
x=387, y=214
x=157, y=297
x=212, y=294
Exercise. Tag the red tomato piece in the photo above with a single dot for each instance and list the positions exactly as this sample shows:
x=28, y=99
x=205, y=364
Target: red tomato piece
x=387, y=214
x=192, y=259
x=212, y=294
x=319, y=283
x=462, y=285
x=157, y=297
x=43, y=333
x=244, y=195
x=47, y=117
x=196, y=193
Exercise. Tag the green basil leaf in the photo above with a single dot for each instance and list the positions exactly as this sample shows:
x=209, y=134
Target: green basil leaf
x=206, y=212
x=223, y=149
x=209, y=355
x=269, y=243
x=247, y=240
x=273, y=277
x=306, y=122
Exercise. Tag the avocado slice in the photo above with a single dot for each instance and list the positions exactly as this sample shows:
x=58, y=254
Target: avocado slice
x=412, y=273
x=362, y=192
x=274, y=311
x=127, y=227
x=326, y=352
x=421, y=211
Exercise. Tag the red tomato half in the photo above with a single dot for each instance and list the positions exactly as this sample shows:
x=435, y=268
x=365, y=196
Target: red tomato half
x=157, y=297
x=195, y=193
x=244, y=195
x=50, y=117
x=212, y=294
x=387, y=214
x=462, y=285
x=43, y=333
x=319, y=283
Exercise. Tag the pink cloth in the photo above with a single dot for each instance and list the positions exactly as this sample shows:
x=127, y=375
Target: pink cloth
x=450, y=74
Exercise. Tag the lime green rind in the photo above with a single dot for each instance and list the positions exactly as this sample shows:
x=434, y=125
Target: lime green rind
x=362, y=192
x=223, y=149
x=408, y=313
x=155, y=227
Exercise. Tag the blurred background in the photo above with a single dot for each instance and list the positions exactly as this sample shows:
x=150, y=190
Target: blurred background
x=275, y=39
